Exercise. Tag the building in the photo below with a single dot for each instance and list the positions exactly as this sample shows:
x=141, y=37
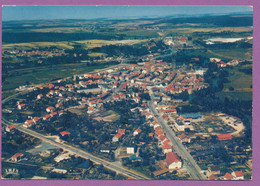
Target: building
x=50, y=109
x=130, y=150
x=9, y=128
x=184, y=138
x=222, y=137
x=237, y=175
x=116, y=137
x=16, y=157
x=228, y=176
x=64, y=133
x=160, y=172
x=166, y=148
x=136, y=132
x=191, y=115
x=173, y=161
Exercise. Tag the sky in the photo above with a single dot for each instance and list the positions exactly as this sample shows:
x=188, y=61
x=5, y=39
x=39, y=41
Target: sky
x=94, y=12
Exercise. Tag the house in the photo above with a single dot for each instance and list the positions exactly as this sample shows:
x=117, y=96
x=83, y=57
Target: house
x=16, y=157
x=237, y=175
x=50, y=109
x=179, y=126
x=228, y=176
x=53, y=114
x=39, y=96
x=47, y=116
x=184, y=138
x=9, y=128
x=166, y=148
x=136, y=132
x=64, y=133
x=213, y=177
x=28, y=123
x=36, y=119
x=214, y=169
x=162, y=138
x=223, y=137
x=160, y=172
x=116, y=137
x=21, y=106
x=173, y=161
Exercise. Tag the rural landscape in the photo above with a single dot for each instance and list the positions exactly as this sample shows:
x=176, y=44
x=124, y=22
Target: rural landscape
x=137, y=98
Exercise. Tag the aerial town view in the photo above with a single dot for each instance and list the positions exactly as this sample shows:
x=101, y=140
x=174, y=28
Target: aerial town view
x=127, y=93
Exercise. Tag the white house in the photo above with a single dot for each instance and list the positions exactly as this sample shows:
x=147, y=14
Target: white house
x=173, y=161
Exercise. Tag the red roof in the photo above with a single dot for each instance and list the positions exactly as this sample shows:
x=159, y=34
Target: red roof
x=11, y=127
x=182, y=136
x=166, y=146
x=50, y=108
x=228, y=176
x=17, y=155
x=167, y=141
x=239, y=173
x=118, y=135
x=162, y=137
x=171, y=157
x=158, y=133
x=121, y=131
x=138, y=130
x=224, y=137
x=63, y=133
x=213, y=177
x=47, y=116
x=29, y=121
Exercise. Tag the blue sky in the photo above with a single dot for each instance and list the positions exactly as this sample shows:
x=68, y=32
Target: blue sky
x=92, y=12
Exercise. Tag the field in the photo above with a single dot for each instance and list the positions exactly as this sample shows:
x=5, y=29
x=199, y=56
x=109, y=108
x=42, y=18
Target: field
x=241, y=82
x=237, y=53
x=28, y=46
x=189, y=30
x=67, y=45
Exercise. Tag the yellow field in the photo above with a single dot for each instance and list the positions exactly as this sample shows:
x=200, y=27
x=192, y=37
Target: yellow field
x=96, y=54
x=192, y=30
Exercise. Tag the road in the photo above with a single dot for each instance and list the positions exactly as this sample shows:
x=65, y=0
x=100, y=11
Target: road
x=77, y=151
x=179, y=148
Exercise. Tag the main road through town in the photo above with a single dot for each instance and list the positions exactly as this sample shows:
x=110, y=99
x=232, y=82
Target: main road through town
x=188, y=161
x=79, y=152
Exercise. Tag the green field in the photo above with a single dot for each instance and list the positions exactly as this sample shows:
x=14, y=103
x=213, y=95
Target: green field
x=238, y=53
x=28, y=46
x=241, y=82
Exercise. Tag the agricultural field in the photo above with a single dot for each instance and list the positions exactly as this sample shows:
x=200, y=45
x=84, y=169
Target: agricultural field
x=239, y=85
